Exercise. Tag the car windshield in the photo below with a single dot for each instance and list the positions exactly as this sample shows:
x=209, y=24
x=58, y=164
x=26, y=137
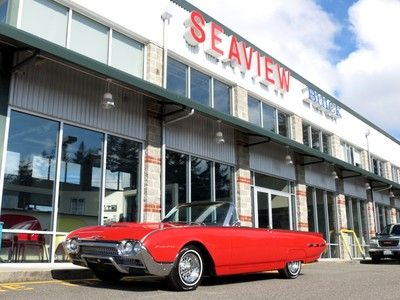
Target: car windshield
x=386, y=229
x=396, y=230
x=209, y=213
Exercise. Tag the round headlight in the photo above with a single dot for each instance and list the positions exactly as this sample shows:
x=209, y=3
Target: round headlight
x=72, y=246
x=128, y=248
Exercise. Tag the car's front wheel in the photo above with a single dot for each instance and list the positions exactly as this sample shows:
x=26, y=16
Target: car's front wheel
x=187, y=273
x=291, y=270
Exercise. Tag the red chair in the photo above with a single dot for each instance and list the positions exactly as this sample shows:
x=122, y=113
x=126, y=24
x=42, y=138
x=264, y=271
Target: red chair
x=20, y=241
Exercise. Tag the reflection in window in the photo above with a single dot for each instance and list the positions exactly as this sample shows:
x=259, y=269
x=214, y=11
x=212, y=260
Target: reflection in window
x=315, y=139
x=269, y=120
x=310, y=209
x=201, y=180
x=254, y=110
x=222, y=97
x=3, y=11
x=81, y=153
x=283, y=124
x=273, y=183
x=35, y=18
x=124, y=47
x=177, y=77
x=29, y=169
x=175, y=179
x=89, y=37
x=223, y=182
x=306, y=135
x=121, y=202
x=200, y=87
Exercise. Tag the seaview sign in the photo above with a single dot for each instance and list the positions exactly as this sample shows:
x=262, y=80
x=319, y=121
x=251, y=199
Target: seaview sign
x=229, y=50
x=322, y=103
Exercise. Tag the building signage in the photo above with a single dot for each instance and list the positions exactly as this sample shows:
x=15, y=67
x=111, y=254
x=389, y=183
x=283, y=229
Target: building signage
x=322, y=103
x=230, y=49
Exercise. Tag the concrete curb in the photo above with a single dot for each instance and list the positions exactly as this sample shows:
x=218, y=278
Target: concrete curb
x=26, y=274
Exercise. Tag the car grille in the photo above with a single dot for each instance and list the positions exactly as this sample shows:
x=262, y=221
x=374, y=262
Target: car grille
x=97, y=250
x=388, y=243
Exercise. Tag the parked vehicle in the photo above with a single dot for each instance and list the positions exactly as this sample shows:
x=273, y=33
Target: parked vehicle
x=193, y=240
x=386, y=244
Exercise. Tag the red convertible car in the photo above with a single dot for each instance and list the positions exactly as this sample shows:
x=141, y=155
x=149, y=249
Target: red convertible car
x=194, y=240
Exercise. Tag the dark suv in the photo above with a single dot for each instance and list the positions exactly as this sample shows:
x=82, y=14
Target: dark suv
x=386, y=243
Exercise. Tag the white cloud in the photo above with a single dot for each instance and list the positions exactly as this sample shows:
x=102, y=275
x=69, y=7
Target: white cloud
x=369, y=79
x=297, y=33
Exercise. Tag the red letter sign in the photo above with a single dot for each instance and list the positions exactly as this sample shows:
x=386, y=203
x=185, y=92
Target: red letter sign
x=195, y=34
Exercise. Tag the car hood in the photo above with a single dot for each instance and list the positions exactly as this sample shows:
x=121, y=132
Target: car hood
x=117, y=231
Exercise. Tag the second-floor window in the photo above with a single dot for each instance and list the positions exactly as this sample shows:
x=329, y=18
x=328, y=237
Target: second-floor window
x=198, y=86
x=377, y=166
x=315, y=138
x=396, y=174
x=267, y=116
x=351, y=154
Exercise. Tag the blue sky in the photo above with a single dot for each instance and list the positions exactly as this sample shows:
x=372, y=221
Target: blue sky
x=345, y=38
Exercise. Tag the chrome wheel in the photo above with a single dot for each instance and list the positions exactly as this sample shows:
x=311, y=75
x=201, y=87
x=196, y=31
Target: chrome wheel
x=187, y=273
x=190, y=267
x=294, y=267
x=292, y=270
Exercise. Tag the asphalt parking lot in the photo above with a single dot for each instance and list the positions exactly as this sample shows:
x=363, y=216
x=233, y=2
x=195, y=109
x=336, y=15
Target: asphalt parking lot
x=323, y=280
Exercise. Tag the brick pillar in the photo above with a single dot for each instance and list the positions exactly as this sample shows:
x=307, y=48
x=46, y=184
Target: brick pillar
x=341, y=218
x=154, y=64
x=301, y=199
x=393, y=211
x=387, y=170
x=297, y=128
x=240, y=107
x=336, y=147
x=370, y=215
x=152, y=164
x=243, y=180
x=365, y=160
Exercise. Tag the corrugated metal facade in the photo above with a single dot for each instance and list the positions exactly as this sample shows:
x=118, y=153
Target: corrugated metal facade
x=61, y=92
x=355, y=188
x=270, y=158
x=318, y=176
x=196, y=135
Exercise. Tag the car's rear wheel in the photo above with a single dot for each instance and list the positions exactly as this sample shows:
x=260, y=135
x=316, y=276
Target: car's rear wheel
x=291, y=270
x=187, y=273
x=105, y=276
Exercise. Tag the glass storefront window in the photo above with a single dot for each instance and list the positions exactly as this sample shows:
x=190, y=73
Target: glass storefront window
x=47, y=10
x=222, y=97
x=201, y=179
x=80, y=178
x=121, y=202
x=310, y=209
x=223, y=182
x=254, y=110
x=269, y=120
x=124, y=47
x=272, y=183
x=29, y=172
x=89, y=37
x=321, y=213
x=325, y=143
x=177, y=77
x=200, y=87
x=175, y=179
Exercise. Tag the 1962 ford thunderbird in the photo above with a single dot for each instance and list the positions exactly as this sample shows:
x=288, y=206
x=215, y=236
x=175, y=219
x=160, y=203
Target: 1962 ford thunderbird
x=193, y=240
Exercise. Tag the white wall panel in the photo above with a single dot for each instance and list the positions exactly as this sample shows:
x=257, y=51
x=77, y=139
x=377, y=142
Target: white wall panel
x=61, y=92
x=196, y=135
x=270, y=158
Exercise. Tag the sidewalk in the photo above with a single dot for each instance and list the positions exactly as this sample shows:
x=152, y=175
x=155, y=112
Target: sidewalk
x=41, y=272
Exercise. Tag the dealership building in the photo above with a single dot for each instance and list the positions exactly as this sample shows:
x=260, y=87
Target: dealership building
x=107, y=118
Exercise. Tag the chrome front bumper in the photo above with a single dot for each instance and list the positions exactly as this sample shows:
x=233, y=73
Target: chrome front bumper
x=92, y=253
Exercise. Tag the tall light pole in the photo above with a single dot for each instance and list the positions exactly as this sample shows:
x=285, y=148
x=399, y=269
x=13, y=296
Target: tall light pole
x=367, y=133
